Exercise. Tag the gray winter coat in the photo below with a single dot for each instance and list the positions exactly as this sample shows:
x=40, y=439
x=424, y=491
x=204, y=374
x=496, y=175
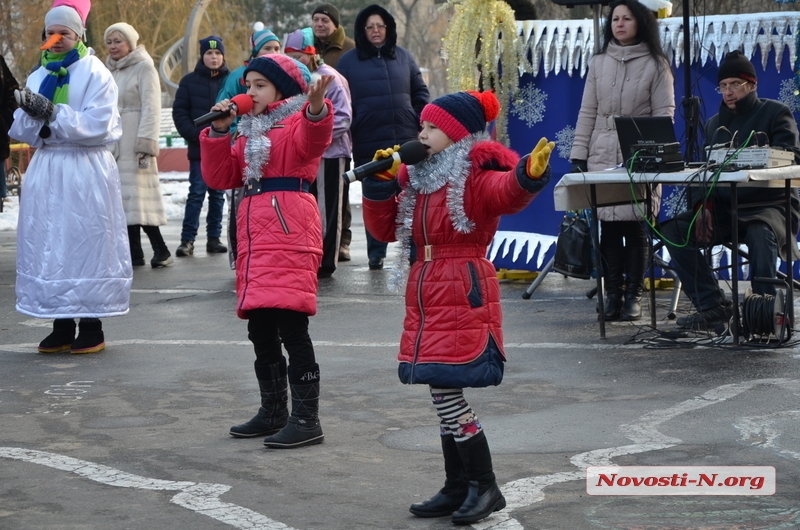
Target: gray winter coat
x=623, y=81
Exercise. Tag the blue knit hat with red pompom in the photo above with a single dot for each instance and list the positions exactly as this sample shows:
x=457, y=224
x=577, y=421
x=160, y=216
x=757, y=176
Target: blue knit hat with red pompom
x=463, y=113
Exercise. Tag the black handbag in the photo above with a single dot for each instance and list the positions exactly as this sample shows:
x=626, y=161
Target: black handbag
x=574, y=247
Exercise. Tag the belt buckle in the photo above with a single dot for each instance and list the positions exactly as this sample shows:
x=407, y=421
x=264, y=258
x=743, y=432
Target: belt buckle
x=252, y=187
x=428, y=252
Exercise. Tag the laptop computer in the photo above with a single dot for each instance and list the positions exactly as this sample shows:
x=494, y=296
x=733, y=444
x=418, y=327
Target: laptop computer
x=650, y=130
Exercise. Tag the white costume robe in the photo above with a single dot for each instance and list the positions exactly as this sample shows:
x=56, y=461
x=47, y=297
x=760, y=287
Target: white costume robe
x=72, y=241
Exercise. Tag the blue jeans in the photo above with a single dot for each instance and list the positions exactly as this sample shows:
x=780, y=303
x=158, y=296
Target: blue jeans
x=194, y=203
x=697, y=278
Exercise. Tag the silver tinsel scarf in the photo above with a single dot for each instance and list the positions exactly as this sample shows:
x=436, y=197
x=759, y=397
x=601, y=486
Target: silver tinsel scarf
x=255, y=128
x=450, y=167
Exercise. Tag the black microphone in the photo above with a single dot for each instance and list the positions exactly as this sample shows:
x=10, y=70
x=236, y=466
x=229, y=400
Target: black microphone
x=410, y=153
x=241, y=104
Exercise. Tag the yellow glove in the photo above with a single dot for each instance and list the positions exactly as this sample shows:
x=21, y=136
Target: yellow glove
x=391, y=173
x=540, y=156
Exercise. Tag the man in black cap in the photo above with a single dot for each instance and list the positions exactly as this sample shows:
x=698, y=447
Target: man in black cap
x=331, y=42
x=761, y=219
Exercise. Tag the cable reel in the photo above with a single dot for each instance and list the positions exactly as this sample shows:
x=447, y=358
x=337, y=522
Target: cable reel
x=766, y=317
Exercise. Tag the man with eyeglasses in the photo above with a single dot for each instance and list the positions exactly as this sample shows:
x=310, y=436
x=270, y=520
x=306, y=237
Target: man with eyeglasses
x=387, y=92
x=743, y=119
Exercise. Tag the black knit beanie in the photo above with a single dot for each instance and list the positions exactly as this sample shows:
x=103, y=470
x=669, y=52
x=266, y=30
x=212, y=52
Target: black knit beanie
x=735, y=64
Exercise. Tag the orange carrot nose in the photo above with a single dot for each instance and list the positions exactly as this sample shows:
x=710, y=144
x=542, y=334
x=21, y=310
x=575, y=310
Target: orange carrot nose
x=55, y=38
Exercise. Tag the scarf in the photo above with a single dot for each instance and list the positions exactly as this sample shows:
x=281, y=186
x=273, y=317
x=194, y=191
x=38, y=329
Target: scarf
x=255, y=128
x=450, y=167
x=55, y=85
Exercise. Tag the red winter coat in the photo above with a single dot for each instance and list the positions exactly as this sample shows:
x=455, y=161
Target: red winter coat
x=279, y=233
x=453, y=303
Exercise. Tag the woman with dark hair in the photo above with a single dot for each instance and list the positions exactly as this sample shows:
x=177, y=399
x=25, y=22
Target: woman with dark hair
x=629, y=77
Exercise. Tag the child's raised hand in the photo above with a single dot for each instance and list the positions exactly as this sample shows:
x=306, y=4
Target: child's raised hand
x=540, y=156
x=316, y=93
x=223, y=124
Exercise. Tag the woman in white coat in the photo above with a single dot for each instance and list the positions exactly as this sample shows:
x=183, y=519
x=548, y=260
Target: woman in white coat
x=136, y=152
x=629, y=77
x=72, y=245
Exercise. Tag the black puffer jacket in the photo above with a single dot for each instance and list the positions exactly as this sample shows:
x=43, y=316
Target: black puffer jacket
x=764, y=116
x=7, y=106
x=197, y=93
x=386, y=87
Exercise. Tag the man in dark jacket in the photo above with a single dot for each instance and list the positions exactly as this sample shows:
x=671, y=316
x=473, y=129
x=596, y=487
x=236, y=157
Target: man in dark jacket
x=331, y=42
x=7, y=107
x=761, y=219
x=197, y=93
x=388, y=95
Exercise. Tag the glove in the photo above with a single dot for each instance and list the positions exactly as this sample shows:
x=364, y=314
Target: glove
x=144, y=160
x=540, y=156
x=579, y=166
x=36, y=105
x=391, y=173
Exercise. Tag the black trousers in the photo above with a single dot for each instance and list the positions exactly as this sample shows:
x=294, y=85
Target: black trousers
x=329, y=191
x=268, y=328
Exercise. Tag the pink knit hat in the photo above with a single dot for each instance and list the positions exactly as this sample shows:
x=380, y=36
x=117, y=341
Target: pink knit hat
x=81, y=6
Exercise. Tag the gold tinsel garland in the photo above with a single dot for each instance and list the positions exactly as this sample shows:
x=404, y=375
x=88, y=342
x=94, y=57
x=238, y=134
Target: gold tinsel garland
x=482, y=39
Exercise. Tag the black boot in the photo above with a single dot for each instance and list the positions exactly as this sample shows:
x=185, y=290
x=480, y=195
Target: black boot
x=135, y=241
x=90, y=337
x=186, y=248
x=613, y=266
x=61, y=338
x=161, y=255
x=635, y=267
x=215, y=246
x=303, y=427
x=483, y=495
x=452, y=495
x=274, y=412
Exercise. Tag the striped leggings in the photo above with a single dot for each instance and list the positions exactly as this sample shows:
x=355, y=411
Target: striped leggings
x=455, y=414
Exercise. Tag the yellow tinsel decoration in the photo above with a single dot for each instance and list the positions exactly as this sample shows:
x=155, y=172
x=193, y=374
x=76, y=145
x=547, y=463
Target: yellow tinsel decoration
x=482, y=38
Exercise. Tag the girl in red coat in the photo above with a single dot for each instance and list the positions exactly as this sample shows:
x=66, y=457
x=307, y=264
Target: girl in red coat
x=447, y=208
x=275, y=158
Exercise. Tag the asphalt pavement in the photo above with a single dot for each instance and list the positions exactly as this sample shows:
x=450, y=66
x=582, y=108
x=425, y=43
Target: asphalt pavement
x=137, y=436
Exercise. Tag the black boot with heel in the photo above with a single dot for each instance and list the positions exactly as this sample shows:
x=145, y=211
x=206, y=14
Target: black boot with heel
x=450, y=498
x=635, y=267
x=613, y=268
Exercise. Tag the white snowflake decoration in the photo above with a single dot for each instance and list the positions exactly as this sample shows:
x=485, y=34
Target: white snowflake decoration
x=674, y=203
x=529, y=105
x=564, y=139
x=788, y=96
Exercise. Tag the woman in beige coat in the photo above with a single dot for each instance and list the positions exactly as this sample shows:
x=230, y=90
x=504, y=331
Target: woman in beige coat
x=629, y=77
x=136, y=152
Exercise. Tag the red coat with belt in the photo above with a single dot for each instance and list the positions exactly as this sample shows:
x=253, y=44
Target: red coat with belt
x=279, y=233
x=452, y=335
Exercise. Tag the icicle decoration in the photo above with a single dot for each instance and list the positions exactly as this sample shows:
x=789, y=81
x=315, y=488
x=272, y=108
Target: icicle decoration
x=482, y=37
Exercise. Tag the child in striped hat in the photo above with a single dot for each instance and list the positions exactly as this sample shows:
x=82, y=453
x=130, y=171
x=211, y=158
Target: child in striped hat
x=448, y=208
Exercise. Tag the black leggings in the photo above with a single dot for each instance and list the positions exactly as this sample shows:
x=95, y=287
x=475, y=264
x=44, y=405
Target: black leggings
x=268, y=328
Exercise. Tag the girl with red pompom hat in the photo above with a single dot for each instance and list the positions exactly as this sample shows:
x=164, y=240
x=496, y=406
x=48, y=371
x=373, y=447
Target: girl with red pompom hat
x=447, y=209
